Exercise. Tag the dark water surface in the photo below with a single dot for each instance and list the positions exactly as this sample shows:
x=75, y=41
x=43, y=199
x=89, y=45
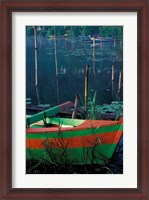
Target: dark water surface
x=72, y=57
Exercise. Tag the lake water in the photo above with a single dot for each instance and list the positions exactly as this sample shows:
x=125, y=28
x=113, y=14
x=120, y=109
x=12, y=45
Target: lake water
x=72, y=57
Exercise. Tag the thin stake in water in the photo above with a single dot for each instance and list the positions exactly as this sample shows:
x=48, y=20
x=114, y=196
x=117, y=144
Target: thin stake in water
x=114, y=43
x=94, y=67
x=112, y=72
x=119, y=83
x=112, y=80
x=94, y=43
x=86, y=87
x=56, y=66
x=113, y=89
x=36, y=64
x=75, y=106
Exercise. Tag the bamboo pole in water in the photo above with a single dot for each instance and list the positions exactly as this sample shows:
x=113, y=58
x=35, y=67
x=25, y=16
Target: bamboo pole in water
x=113, y=89
x=86, y=87
x=56, y=66
x=36, y=64
x=121, y=48
x=94, y=43
x=101, y=48
x=114, y=59
x=119, y=83
x=112, y=80
x=75, y=106
x=113, y=72
x=114, y=43
x=94, y=67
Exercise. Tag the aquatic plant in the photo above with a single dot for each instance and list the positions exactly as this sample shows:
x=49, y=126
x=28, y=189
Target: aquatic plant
x=93, y=107
x=115, y=108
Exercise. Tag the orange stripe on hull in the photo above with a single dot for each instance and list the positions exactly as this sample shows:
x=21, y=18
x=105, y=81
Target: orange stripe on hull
x=77, y=142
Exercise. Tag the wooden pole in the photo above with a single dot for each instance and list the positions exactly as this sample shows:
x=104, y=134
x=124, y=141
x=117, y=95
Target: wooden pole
x=86, y=87
x=75, y=107
x=114, y=43
x=121, y=48
x=101, y=53
x=94, y=42
x=119, y=83
x=112, y=72
x=36, y=64
x=112, y=88
x=101, y=45
x=94, y=67
x=114, y=59
x=56, y=66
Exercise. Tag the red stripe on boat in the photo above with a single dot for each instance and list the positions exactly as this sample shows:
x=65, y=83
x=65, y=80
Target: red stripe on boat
x=77, y=142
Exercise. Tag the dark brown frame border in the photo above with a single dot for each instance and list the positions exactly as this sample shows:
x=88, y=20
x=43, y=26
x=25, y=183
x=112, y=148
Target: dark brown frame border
x=9, y=6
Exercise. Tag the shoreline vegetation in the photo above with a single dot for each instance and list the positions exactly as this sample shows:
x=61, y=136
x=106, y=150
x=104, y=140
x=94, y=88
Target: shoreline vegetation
x=75, y=31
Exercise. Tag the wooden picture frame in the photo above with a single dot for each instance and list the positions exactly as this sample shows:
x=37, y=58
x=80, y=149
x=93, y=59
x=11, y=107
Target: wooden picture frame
x=7, y=7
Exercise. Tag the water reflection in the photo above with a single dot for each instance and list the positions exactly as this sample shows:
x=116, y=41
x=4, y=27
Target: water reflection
x=72, y=57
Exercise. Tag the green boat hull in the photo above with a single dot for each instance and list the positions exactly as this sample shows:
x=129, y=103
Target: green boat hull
x=85, y=142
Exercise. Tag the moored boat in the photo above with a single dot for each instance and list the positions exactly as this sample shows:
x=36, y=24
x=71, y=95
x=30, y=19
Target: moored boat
x=96, y=38
x=71, y=141
x=99, y=39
